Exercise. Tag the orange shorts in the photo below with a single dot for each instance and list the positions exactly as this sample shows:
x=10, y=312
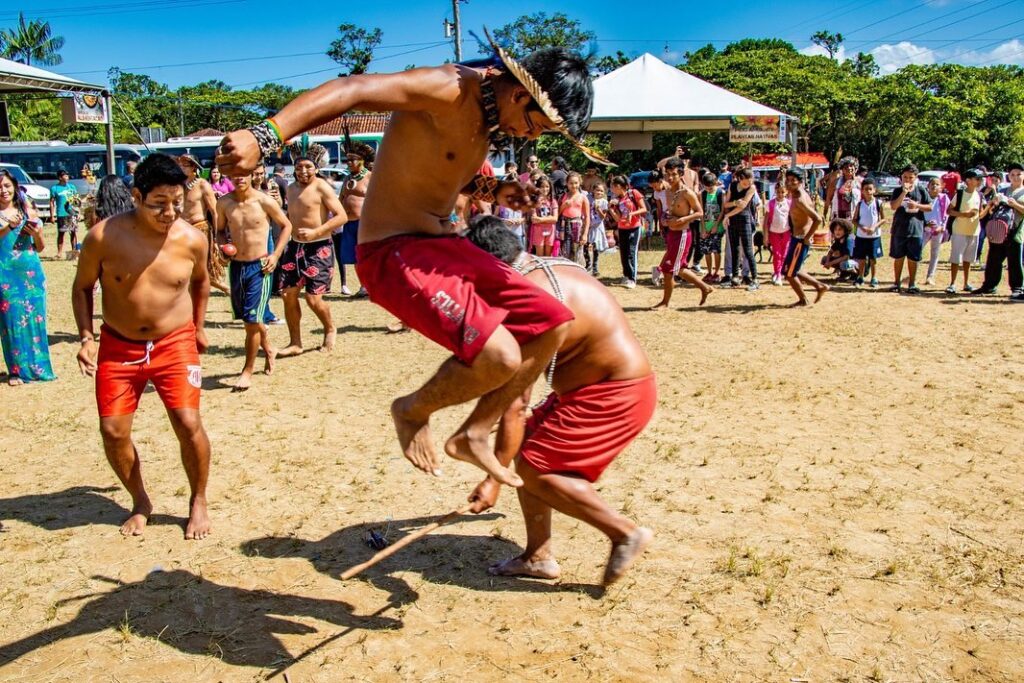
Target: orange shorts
x=582, y=431
x=125, y=366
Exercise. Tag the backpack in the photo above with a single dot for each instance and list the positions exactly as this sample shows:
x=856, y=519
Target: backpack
x=956, y=207
x=998, y=226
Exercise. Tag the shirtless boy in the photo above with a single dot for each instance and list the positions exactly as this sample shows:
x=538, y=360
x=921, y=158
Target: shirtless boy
x=501, y=328
x=683, y=208
x=152, y=265
x=200, y=206
x=246, y=214
x=353, y=193
x=604, y=395
x=308, y=261
x=804, y=222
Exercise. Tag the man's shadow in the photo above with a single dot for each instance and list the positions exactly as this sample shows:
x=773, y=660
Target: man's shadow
x=197, y=616
x=447, y=559
x=73, y=507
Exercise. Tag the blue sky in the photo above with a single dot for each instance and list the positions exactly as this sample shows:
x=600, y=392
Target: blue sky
x=246, y=42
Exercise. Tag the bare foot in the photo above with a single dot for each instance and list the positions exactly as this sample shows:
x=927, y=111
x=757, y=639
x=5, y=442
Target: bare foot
x=800, y=304
x=704, y=294
x=517, y=566
x=821, y=293
x=268, y=363
x=243, y=383
x=329, y=339
x=198, y=526
x=661, y=304
x=625, y=553
x=415, y=439
x=290, y=350
x=136, y=523
x=478, y=452
x=398, y=327
x=15, y=381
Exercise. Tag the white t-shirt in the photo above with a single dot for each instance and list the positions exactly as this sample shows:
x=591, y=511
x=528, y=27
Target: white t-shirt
x=868, y=216
x=780, y=215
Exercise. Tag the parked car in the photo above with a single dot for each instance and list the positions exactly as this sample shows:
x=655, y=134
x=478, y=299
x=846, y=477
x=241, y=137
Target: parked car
x=37, y=194
x=885, y=184
x=925, y=177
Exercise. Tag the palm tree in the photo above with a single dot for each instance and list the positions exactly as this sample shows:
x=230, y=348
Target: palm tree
x=32, y=41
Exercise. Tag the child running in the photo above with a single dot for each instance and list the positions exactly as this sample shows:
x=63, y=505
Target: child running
x=542, y=219
x=935, y=226
x=246, y=214
x=776, y=227
x=867, y=245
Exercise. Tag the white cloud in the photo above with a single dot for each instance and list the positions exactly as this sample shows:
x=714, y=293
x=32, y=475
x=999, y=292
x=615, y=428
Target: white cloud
x=1011, y=52
x=891, y=58
x=813, y=50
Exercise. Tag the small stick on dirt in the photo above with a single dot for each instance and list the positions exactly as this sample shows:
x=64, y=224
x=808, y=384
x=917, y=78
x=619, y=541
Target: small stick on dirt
x=980, y=542
x=398, y=545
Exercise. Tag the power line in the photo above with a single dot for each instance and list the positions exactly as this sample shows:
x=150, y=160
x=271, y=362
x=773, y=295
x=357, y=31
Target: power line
x=229, y=61
x=66, y=13
x=893, y=16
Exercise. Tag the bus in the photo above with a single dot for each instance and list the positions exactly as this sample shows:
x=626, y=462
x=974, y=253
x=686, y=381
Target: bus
x=204, y=148
x=42, y=160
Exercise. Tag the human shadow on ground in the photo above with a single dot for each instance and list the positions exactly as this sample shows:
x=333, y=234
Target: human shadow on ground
x=200, y=617
x=53, y=338
x=74, y=507
x=439, y=558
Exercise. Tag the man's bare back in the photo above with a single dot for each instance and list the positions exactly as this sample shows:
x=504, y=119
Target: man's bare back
x=600, y=346
x=145, y=275
x=199, y=199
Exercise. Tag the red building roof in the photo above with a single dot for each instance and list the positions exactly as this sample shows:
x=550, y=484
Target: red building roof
x=774, y=161
x=206, y=132
x=374, y=122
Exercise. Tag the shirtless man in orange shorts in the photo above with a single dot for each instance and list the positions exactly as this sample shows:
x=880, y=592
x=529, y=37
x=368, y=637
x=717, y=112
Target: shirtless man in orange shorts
x=603, y=396
x=501, y=328
x=152, y=265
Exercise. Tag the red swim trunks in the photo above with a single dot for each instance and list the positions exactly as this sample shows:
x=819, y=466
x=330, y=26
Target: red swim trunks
x=126, y=365
x=454, y=293
x=581, y=432
x=677, y=243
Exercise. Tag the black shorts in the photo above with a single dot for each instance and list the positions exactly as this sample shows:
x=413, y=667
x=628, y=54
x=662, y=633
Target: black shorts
x=867, y=248
x=307, y=264
x=907, y=241
x=66, y=224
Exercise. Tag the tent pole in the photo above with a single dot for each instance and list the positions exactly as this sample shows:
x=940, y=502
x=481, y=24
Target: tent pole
x=110, y=133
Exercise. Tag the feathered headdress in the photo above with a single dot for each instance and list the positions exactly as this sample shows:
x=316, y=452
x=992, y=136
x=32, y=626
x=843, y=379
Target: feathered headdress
x=314, y=151
x=542, y=99
x=360, y=149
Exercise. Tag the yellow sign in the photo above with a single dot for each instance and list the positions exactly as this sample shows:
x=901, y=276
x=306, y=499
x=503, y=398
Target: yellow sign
x=754, y=129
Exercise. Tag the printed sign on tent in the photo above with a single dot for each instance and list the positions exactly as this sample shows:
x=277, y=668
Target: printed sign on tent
x=754, y=129
x=84, y=109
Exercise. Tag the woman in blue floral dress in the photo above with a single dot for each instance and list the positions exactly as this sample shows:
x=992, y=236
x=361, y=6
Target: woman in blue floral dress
x=22, y=288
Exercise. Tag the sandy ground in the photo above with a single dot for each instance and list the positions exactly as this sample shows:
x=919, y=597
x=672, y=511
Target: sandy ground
x=835, y=493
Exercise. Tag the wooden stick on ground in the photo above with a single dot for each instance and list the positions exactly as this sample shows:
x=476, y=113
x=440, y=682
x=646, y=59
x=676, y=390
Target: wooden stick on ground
x=401, y=543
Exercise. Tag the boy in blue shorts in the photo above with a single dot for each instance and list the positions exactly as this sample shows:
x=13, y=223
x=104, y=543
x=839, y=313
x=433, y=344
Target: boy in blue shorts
x=803, y=223
x=246, y=215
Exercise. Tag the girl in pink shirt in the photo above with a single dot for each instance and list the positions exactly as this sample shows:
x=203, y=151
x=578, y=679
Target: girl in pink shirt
x=776, y=229
x=542, y=219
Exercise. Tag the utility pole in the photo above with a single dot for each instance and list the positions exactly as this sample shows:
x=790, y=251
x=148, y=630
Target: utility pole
x=181, y=117
x=458, y=30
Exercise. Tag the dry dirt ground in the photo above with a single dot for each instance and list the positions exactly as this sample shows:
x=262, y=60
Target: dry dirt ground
x=835, y=492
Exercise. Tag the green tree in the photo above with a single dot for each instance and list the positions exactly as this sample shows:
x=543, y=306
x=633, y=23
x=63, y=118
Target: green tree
x=830, y=41
x=353, y=49
x=532, y=32
x=864, y=64
x=32, y=42
x=609, y=63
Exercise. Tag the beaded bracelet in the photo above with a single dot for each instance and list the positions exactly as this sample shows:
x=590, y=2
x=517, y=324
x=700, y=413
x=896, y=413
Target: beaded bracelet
x=268, y=137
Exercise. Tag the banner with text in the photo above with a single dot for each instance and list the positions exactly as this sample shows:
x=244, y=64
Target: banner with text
x=754, y=129
x=84, y=109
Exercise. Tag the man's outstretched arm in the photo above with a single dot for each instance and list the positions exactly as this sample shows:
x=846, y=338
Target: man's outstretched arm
x=425, y=89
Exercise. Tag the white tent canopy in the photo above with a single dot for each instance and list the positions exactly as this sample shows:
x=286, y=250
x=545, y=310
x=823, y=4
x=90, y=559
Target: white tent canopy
x=649, y=95
x=17, y=77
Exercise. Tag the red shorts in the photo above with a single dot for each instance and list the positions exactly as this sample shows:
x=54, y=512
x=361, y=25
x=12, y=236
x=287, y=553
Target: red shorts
x=126, y=365
x=454, y=293
x=581, y=432
x=677, y=243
